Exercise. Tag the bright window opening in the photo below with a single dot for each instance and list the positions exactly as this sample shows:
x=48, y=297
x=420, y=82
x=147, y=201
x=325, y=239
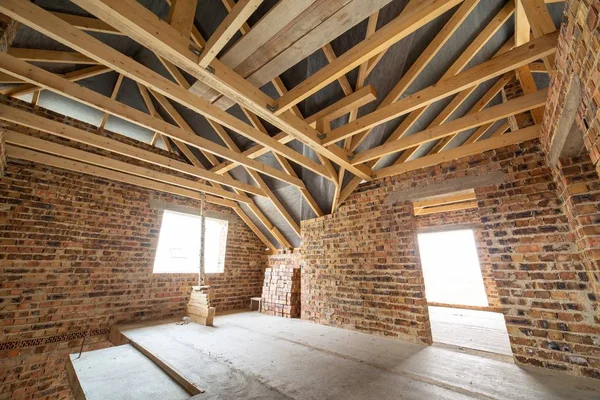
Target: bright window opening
x=451, y=268
x=214, y=246
x=179, y=244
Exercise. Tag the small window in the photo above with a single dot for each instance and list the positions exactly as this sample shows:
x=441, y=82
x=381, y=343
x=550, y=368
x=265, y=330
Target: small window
x=178, y=248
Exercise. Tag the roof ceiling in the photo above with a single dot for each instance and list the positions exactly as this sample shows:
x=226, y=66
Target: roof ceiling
x=394, y=64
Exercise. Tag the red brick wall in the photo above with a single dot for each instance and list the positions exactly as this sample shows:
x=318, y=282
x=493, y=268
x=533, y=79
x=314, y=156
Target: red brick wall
x=281, y=287
x=2, y=153
x=363, y=272
x=577, y=63
x=461, y=217
x=362, y=268
x=76, y=256
x=579, y=188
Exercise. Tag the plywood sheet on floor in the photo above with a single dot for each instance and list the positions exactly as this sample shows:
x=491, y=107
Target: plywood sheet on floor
x=123, y=373
x=479, y=330
x=292, y=358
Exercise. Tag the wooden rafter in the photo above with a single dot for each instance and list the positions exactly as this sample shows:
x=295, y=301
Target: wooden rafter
x=181, y=16
x=522, y=135
x=74, y=76
x=238, y=16
x=50, y=56
x=117, y=165
x=113, y=95
x=132, y=18
x=469, y=121
x=515, y=58
x=466, y=205
x=406, y=23
x=138, y=26
x=84, y=168
x=49, y=81
x=24, y=118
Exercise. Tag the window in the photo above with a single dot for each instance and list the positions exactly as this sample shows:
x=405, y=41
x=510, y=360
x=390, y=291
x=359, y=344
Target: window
x=451, y=268
x=179, y=241
x=214, y=245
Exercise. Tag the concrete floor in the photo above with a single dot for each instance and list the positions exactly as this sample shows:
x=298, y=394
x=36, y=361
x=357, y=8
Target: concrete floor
x=250, y=355
x=112, y=374
x=478, y=330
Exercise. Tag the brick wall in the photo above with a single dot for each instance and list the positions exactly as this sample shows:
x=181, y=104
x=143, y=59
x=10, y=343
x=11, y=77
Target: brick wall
x=579, y=188
x=362, y=268
x=76, y=256
x=281, y=287
x=470, y=217
x=363, y=272
x=2, y=153
x=577, y=64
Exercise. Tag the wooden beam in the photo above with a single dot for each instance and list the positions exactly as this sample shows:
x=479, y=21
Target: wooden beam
x=87, y=23
x=515, y=58
x=469, y=121
x=180, y=121
x=59, y=30
x=254, y=228
x=152, y=111
x=480, y=105
x=30, y=120
x=181, y=16
x=113, y=96
x=402, y=26
x=522, y=135
x=447, y=208
x=320, y=24
x=74, y=76
x=76, y=92
x=434, y=47
x=240, y=13
x=334, y=111
x=8, y=79
x=446, y=199
x=283, y=13
x=33, y=143
x=288, y=168
x=138, y=22
x=50, y=56
x=541, y=23
x=342, y=80
x=83, y=168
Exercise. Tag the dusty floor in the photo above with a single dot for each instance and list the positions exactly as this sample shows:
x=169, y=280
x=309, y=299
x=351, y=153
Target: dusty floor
x=250, y=355
x=479, y=330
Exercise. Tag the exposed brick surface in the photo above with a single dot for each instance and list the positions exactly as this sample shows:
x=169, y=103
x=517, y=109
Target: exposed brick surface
x=281, y=287
x=76, y=256
x=461, y=217
x=2, y=152
x=362, y=269
x=579, y=188
x=577, y=64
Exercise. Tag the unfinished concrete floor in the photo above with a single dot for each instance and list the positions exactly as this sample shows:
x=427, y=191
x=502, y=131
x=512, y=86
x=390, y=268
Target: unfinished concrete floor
x=472, y=329
x=123, y=373
x=250, y=355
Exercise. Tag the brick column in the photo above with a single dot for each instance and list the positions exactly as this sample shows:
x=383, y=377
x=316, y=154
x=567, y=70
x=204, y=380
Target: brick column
x=578, y=187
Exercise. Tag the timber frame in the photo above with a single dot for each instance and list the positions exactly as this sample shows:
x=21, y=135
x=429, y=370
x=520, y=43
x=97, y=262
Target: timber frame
x=226, y=76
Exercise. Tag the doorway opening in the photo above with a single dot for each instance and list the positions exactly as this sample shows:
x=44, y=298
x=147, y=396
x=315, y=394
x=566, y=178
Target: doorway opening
x=455, y=291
